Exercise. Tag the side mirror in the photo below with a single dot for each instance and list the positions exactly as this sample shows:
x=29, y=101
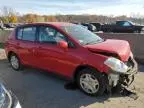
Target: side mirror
x=63, y=44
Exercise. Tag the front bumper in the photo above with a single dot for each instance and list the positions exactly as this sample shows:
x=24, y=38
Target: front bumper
x=124, y=78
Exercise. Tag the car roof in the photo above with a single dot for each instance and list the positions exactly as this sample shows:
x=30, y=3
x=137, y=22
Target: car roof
x=57, y=24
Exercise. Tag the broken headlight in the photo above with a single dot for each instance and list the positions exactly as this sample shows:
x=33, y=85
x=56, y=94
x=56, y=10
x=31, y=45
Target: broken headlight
x=116, y=65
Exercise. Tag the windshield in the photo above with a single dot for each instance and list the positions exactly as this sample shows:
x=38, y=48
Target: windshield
x=81, y=34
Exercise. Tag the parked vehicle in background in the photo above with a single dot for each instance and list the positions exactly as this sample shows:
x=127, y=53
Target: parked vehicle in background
x=82, y=25
x=97, y=25
x=17, y=24
x=93, y=63
x=123, y=27
x=8, y=99
x=9, y=25
x=1, y=25
x=89, y=26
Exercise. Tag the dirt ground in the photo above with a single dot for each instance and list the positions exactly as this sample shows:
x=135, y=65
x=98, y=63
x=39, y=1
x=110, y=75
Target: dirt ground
x=117, y=101
x=2, y=54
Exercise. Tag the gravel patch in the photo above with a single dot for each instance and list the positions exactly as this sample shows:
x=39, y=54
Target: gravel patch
x=2, y=54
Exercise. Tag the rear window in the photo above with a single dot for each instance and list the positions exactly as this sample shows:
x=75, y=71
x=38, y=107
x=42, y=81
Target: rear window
x=26, y=33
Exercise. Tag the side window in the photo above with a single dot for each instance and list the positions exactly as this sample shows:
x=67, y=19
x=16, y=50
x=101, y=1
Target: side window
x=125, y=24
x=26, y=33
x=50, y=35
x=59, y=37
x=120, y=23
x=29, y=33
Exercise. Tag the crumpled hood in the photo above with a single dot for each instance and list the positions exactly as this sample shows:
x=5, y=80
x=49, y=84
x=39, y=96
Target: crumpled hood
x=120, y=48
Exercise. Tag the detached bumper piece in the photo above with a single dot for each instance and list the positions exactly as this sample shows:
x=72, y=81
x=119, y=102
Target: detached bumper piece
x=124, y=78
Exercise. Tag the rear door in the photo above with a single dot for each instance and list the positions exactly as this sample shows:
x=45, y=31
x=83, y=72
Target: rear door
x=26, y=37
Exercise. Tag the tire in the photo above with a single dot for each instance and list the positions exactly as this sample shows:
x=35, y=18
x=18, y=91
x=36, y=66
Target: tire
x=97, y=81
x=137, y=31
x=142, y=30
x=109, y=30
x=15, y=62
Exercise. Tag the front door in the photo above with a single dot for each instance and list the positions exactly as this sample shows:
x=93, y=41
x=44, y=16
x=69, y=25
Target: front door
x=51, y=56
x=125, y=27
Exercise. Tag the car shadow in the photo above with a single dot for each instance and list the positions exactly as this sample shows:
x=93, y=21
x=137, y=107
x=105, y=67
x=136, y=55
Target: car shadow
x=41, y=89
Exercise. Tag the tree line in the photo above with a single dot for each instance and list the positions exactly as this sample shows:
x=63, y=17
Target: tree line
x=9, y=15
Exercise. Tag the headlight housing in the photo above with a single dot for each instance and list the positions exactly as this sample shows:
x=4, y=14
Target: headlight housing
x=116, y=65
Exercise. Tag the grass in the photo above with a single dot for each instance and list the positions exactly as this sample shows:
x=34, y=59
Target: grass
x=2, y=45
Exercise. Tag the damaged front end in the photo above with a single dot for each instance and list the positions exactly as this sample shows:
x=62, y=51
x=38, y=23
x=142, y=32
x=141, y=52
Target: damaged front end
x=127, y=78
x=123, y=74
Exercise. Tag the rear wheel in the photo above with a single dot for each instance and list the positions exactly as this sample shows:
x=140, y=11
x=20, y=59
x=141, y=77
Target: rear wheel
x=91, y=82
x=15, y=62
x=109, y=30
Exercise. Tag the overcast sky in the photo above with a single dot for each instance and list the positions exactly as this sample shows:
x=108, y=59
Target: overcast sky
x=99, y=7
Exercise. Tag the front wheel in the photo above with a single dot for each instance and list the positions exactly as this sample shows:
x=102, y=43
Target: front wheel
x=142, y=30
x=137, y=31
x=91, y=82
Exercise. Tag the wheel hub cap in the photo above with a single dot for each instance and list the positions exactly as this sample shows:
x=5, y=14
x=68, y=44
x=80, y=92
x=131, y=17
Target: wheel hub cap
x=89, y=83
x=14, y=62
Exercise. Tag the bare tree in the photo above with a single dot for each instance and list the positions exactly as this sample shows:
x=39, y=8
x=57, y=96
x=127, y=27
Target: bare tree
x=7, y=14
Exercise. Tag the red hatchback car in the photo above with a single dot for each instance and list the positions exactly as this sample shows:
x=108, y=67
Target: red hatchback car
x=74, y=52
